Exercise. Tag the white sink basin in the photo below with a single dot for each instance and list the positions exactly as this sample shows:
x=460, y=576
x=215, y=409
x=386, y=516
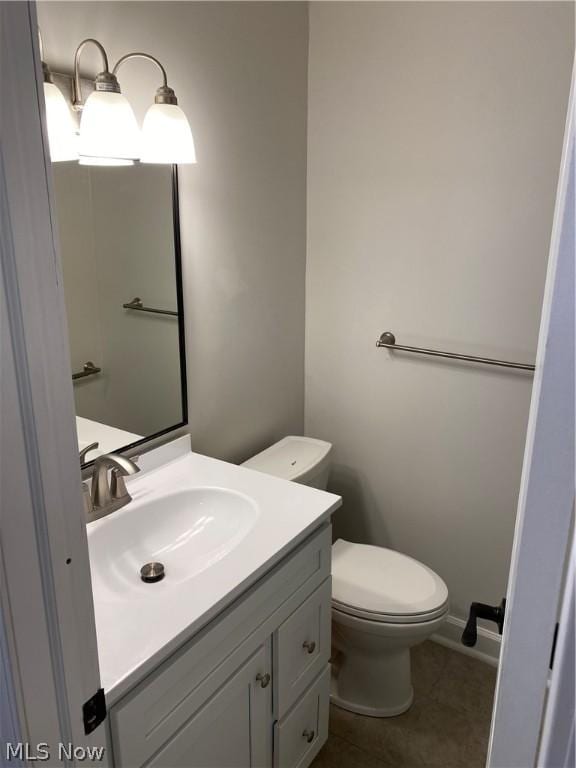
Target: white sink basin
x=216, y=527
x=187, y=531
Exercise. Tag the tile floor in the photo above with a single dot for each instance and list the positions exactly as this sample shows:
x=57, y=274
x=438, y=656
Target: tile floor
x=446, y=727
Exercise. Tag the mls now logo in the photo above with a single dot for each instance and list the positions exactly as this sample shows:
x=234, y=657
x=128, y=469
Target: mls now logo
x=23, y=751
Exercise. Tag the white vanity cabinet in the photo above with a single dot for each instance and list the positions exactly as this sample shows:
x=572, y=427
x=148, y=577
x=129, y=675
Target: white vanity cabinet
x=251, y=688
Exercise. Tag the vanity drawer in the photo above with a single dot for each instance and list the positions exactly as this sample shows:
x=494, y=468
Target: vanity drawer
x=300, y=734
x=302, y=647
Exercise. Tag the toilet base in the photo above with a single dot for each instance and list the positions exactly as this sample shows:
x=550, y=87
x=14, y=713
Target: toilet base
x=374, y=684
x=360, y=709
x=371, y=663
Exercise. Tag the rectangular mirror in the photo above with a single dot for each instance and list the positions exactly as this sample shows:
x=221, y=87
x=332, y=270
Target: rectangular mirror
x=120, y=249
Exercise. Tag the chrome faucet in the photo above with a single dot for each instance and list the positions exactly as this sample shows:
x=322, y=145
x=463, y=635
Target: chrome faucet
x=108, y=496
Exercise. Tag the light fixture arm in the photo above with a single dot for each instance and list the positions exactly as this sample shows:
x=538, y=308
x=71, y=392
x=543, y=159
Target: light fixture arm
x=139, y=55
x=164, y=94
x=105, y=81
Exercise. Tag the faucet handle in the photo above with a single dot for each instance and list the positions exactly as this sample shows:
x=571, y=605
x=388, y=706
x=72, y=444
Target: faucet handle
x=118, y=488
x=84, y=451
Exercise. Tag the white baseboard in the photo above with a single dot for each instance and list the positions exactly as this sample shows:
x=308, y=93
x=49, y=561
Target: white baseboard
x=486, y=649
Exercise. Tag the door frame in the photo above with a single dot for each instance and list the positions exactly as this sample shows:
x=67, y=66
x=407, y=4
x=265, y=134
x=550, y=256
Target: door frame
x=48, y=636
x=558, y=743
x=546, y=502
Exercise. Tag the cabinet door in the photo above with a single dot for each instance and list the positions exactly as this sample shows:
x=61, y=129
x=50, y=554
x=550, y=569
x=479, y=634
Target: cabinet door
x=233, y=729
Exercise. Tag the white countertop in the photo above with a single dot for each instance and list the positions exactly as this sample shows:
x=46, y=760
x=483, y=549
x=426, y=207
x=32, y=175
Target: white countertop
x=108, y=438
x=135, y=634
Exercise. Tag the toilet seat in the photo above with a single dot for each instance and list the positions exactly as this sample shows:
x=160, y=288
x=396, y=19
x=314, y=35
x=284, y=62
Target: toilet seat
x=389, y=618
x=382, y=585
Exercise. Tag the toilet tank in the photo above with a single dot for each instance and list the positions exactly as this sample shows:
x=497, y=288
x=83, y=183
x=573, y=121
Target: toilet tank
x=302, y=459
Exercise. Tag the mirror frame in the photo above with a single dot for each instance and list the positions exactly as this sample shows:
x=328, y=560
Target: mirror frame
x=181, y=334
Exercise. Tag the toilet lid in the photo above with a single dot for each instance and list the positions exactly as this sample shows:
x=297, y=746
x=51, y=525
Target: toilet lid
x=370, y=580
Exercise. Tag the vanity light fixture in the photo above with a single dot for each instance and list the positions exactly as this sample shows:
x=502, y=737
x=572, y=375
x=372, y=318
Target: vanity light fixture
x=109, y=133
x=166, y=133
x=62, y=138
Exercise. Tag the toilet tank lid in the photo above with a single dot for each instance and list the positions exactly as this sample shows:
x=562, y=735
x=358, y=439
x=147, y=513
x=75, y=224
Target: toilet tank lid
x=291, y=457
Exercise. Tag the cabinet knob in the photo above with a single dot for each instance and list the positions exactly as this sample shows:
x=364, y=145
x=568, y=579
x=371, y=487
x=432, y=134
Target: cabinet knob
x=309, y=736
x=309, y=645
x=263, y=679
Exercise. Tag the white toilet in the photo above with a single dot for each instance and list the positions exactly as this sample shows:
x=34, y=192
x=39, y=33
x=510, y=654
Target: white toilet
x=383, y=602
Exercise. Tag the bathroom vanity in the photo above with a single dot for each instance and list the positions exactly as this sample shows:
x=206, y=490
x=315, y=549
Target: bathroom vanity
x=225, y=662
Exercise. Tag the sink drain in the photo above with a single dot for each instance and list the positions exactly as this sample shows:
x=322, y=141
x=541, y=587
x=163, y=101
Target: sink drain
x=152, y=572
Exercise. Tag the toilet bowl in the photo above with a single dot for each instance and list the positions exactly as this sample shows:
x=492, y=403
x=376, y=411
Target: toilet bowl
x=383, y=602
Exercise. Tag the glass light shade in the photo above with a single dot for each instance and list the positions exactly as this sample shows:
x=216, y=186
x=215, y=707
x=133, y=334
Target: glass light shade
x=166, y=136
x=108, y=129
x=87, y=160
x=62, y=137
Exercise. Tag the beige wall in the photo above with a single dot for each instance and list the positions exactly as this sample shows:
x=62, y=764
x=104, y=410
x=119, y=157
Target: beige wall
x=239, y=71
x=434, y=143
